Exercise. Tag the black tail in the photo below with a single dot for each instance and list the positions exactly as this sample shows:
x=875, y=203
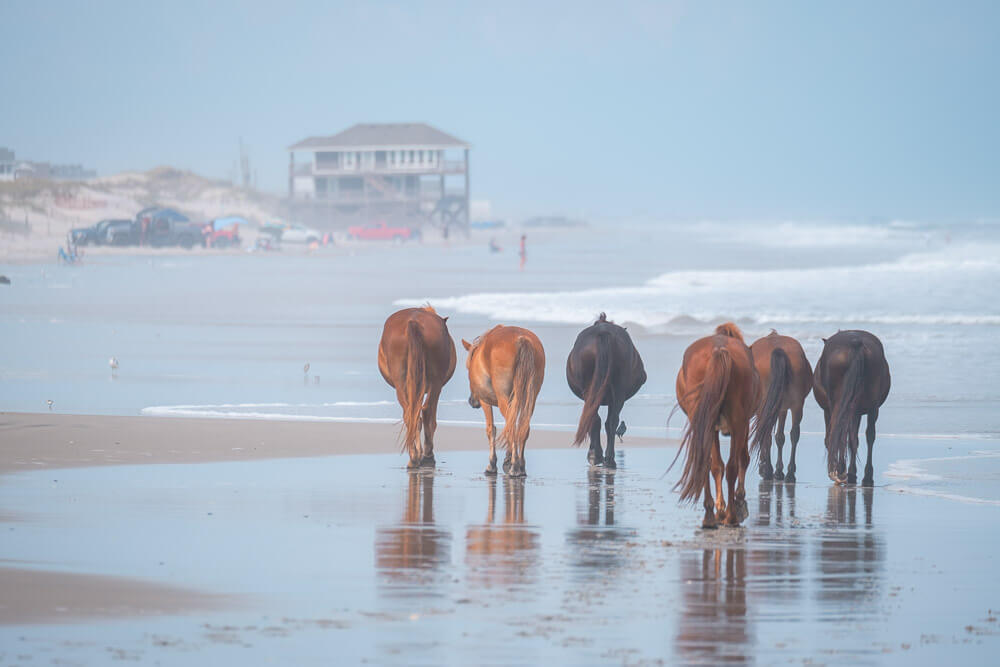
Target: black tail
x=770, y=408
x=600, y=382
x=700, y=433
x=845, y=406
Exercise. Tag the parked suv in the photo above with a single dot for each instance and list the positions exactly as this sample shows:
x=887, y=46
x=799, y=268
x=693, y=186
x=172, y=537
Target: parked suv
x=165, y=226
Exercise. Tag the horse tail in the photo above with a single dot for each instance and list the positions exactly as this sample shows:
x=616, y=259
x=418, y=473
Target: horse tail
x=699, y=435
x=845, y=407
x=522, y=396
x=767, y=417
x=415, y=383
x=600, y=382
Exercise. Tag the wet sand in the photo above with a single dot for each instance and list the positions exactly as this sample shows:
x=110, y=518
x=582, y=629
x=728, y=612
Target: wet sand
x=352, y=558
x=30, y=441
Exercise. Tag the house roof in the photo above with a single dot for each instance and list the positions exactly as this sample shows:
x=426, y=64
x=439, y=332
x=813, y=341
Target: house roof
x=372, y=135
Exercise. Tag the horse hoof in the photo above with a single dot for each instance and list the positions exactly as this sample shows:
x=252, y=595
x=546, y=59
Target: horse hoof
x=790, y=478
x=780, y=476
x=506, y=467
x=766, y=472
x=427, y=462
x=709, y=524
x=609, y=462
x=868, y=481
x=413, y=465
x=491, y=471
x=595, y=459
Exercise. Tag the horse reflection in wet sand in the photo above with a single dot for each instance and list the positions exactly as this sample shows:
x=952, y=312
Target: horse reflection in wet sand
x=713, y=626
x=415, y=551
x=786, y=379
x=507, y=553
x=719, y=390
x=603, y=368
x=506, y=369
x=416, y=356
x=851, y=379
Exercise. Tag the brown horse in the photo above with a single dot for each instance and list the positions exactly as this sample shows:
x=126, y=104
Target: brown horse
x=786, y=379
x=718, y=389
x=506, y=368
x=416, y=356
x=604, y=368
x=851, y=380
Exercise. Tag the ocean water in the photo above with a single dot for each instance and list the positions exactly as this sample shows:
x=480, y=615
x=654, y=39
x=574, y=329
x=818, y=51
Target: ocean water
x=229, y=336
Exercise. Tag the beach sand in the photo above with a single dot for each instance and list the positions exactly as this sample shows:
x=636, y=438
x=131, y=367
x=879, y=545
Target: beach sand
x=194, y=541
x=33, y=441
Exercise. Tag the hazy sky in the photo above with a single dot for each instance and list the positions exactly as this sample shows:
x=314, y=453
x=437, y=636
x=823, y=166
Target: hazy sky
x=660, y=109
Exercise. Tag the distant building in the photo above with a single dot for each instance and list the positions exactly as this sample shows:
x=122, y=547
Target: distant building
x=12, y=170
x=383, y=170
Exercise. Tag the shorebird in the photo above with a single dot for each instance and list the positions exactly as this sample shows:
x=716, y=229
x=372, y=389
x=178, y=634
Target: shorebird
x=113, y=363
x=305, y=369
x=49, y=401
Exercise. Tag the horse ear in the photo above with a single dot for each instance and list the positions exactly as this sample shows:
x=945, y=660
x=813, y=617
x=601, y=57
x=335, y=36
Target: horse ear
x=466, y=344
x=445, y=319
x=824, y=341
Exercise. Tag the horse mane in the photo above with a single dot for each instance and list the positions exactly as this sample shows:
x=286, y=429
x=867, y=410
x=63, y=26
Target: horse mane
x=603, y=317
x=729, y=329
x=429, y=308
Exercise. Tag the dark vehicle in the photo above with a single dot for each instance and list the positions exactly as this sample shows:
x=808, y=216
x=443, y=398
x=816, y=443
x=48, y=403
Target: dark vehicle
x=122, y=233
x=165, y=227
x=95, y=234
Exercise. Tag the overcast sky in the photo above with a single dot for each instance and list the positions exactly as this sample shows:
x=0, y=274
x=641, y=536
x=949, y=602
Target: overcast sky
x=661, y=109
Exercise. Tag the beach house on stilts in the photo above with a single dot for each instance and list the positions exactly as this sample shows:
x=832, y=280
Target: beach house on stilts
x=399, y=172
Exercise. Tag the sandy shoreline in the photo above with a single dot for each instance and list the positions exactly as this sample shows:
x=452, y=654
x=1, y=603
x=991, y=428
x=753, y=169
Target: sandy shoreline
x=30, y=441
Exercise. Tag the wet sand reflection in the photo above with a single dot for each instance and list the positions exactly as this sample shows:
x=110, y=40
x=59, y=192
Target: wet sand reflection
x=713, y=626
x=410, y=556
x=851, y=556
x=502, y=554
x=597, y=545
x=776, y=556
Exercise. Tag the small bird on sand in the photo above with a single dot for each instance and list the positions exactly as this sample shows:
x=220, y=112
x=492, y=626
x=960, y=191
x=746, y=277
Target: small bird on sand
x=49, y=401
x=113, y=363
x=305, y=369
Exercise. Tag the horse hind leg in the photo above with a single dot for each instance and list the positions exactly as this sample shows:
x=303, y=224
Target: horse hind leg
x=765, y=468
x=430, y=425
x=794, y=435
x=610, y=427
x=739, y=461
x=779, y=440
x=491, y=436
x=710, y=520
x=595, y=456
x=717, y=471
x=852, y=445
x=412, y=448
x=869, y=479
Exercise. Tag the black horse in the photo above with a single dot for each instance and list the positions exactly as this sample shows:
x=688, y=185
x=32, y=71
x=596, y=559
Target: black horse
x=851, y=380
x=604, y=368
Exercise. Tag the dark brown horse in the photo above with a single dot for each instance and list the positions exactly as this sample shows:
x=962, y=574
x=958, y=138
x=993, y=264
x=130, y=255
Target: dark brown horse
x=719, y=390
x=786, y=379
x=604, y=368
x=506, y=368
x=416, y=356
x=851, y=380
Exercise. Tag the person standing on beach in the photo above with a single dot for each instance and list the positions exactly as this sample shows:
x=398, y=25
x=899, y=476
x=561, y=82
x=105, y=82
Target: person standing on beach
x=523, y=253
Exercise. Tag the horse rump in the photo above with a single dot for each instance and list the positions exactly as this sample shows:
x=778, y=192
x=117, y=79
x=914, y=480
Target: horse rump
x=600, y=382
x=699, y=434
x=770, y=409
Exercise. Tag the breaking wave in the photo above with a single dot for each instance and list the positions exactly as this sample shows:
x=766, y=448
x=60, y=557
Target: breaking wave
x=946, y=287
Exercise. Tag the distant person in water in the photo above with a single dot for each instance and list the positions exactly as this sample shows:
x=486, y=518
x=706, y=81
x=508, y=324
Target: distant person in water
x=523, y=253
x=494, y=246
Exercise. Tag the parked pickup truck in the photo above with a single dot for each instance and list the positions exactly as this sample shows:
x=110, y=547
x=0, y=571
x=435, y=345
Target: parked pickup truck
x=99, y=234
x=165, y=226
x=380, y=231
